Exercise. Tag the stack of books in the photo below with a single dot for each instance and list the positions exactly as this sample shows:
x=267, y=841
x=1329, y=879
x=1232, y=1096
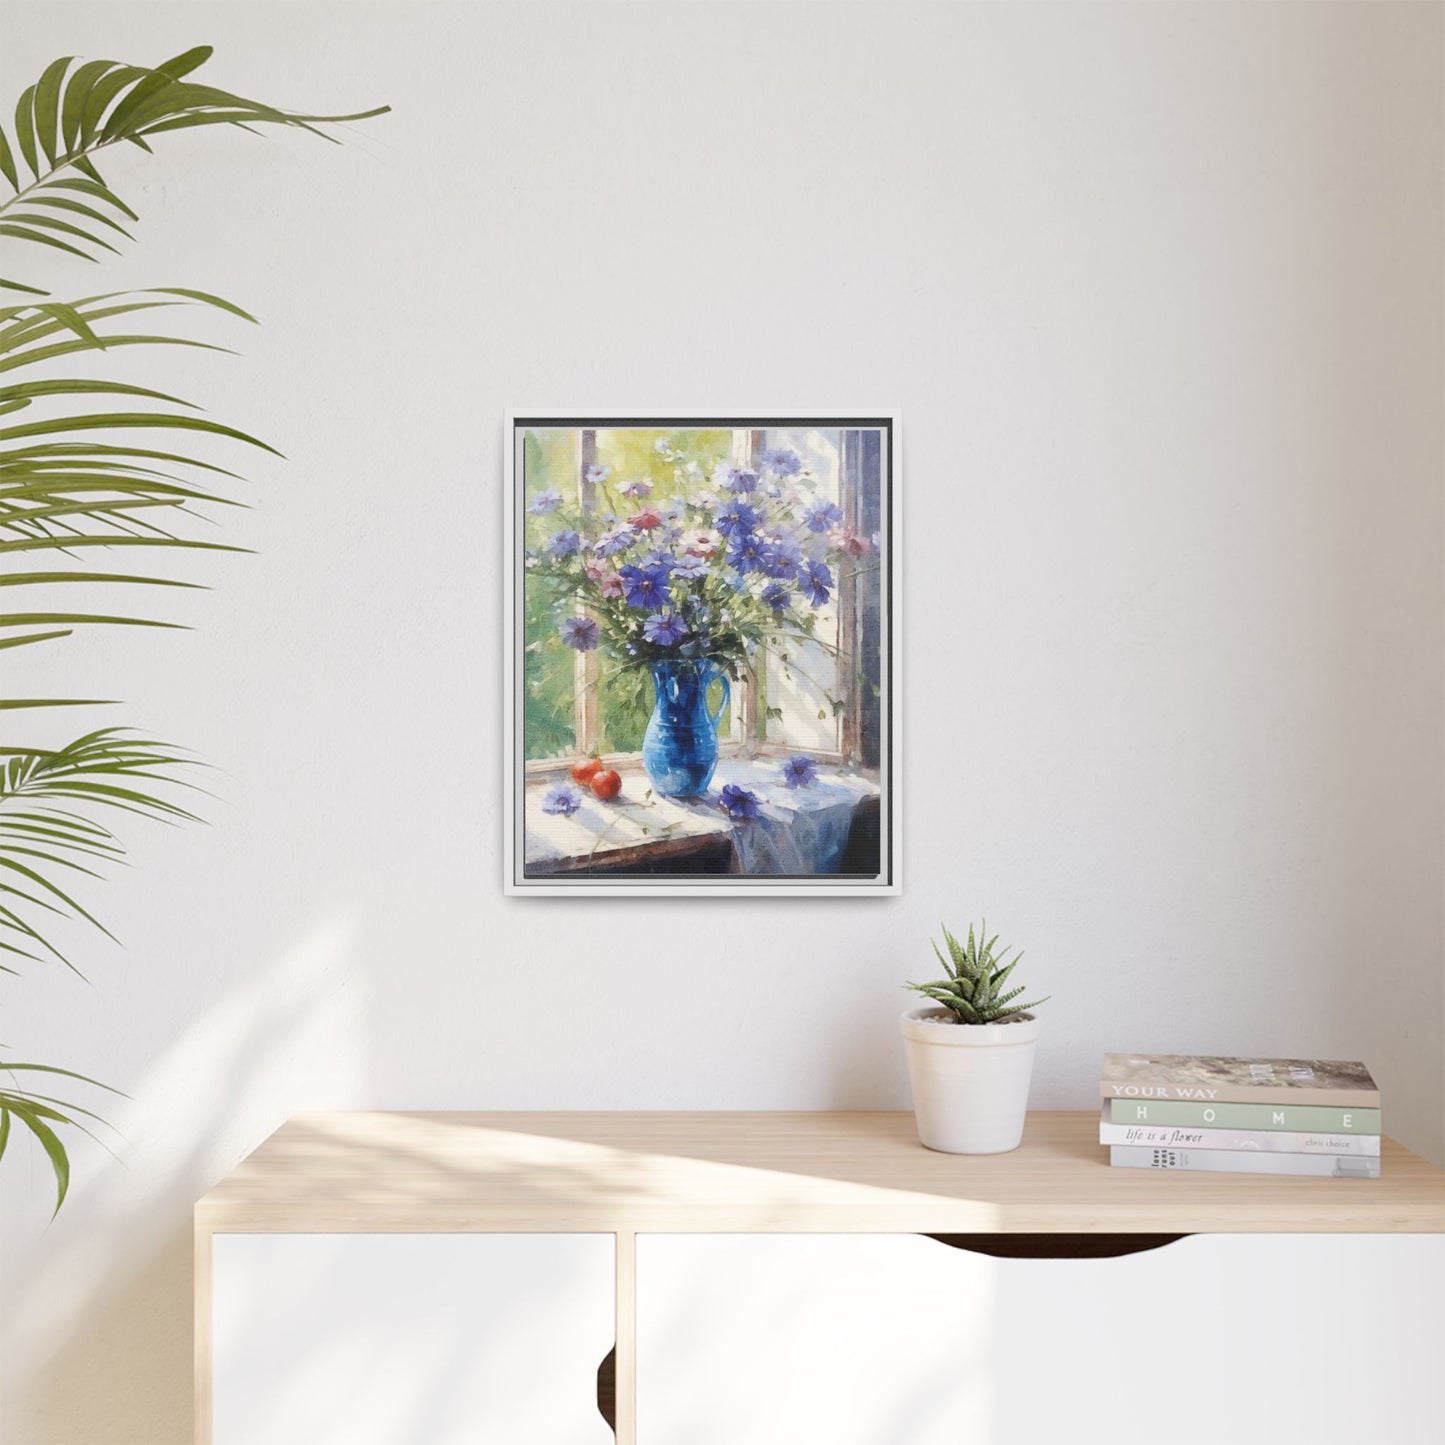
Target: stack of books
x=1241, y=1116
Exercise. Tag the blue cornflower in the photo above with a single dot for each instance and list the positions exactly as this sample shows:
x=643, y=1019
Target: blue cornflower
x=785, y=560
x=563, y=544
x=644, y=586
x=664, y=628
x=734, y=479
x=562, y=799
x=776, y=596
x=799, y=772
x=658, y=558
x=545, y=502
x=689, y=569
x=749, y=553
x=782, y=462
x=596, y=474
x=739, y=803
x=821, y=515
x=581, y=633
x=816, y=580
x=636, y=490
x=736, y=518
x=619, y=539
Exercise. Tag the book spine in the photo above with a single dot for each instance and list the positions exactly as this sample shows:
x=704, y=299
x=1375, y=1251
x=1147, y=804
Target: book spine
x=1265, y=1141
x=1231, y=1161
x=1296, y=1118
x=1240, y=1094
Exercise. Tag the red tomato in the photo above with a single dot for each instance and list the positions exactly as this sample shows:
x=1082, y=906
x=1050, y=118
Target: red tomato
x=607, y=783
x=586, y=770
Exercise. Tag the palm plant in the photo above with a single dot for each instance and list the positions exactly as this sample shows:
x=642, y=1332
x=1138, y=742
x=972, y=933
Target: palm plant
x=76, y=482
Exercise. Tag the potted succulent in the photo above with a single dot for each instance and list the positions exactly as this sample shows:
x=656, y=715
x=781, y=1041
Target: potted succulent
x=971, y=1057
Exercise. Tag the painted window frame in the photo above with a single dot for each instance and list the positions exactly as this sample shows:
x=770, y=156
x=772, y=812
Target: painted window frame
x=746, y=740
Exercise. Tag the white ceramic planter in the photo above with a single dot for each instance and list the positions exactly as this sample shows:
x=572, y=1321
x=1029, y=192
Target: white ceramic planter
x=970, y=1081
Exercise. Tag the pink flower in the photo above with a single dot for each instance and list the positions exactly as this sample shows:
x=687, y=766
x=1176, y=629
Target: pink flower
x=850, y=542
x=612, y=585
x=594, y=570
x=645, y=520
x=703, y=545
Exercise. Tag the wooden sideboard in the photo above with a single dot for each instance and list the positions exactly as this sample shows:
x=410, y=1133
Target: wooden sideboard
x=694, y=1198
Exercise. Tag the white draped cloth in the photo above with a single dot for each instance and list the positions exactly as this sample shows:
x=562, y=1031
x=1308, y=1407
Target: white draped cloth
x=797, y=830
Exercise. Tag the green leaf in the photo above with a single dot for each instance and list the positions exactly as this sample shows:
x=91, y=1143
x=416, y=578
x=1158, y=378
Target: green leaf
x=55, y=890
x=24, y=233
x=77, y=90
x=67, y=348
x=20, y=286
x=78, y=208
x=54, y=223
x=25, y=130
x=30, y=638
x=100, y=192
x=186, y=62
x=116, y=420
x=205, y=297
x=47, y=108
x=77, y=619
x=102, y=93
x=66, y=542
x=948, y=967
x=29, y=390
x=15, y=704
x=8, y=1067
x=50, y=1142
x=1004, y=972
x=28, y=579
x=151, y=84
x=7, y=161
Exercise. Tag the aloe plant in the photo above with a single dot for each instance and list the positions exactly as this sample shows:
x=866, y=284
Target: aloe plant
x=974, y=987
x=77, y=484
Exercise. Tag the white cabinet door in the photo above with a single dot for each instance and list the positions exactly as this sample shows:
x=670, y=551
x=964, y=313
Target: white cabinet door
x=900, y=1340
x=410, y=1339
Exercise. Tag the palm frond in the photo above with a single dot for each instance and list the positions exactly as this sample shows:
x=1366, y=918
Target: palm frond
x=64, y=491
x=41, y=1113
x=110, y=769
x=74, y=482
x=59, y=199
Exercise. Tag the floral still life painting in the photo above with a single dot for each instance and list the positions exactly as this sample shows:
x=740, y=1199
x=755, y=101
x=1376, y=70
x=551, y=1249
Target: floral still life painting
x=702, y=683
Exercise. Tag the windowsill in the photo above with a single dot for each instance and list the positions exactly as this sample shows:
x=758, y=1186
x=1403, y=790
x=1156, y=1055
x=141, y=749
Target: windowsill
x=552, y=769
x=639, y=830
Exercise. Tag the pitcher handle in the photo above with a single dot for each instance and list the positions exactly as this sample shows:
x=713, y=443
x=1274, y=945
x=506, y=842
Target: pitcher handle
x=722, y=706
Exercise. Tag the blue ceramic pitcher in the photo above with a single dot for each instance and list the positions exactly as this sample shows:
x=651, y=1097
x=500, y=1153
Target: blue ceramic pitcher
x=679, y=748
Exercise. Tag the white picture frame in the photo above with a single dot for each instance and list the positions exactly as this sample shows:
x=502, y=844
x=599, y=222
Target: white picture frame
x=631, y=866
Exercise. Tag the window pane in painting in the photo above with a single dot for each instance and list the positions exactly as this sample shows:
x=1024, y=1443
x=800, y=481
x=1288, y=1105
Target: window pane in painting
x=804, y=702
x=651, y=480
x=551, y=463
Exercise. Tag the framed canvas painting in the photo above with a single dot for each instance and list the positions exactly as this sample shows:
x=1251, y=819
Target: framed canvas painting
x=702, y=676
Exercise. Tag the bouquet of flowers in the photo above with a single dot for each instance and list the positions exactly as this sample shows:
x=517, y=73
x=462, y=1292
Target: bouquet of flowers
x=747, y=556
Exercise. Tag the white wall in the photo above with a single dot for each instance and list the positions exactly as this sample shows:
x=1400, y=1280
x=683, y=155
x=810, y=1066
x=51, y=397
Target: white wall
x=1158, y=290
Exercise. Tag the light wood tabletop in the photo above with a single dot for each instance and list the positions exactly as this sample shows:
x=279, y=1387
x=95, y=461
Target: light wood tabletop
x=684, y=1172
